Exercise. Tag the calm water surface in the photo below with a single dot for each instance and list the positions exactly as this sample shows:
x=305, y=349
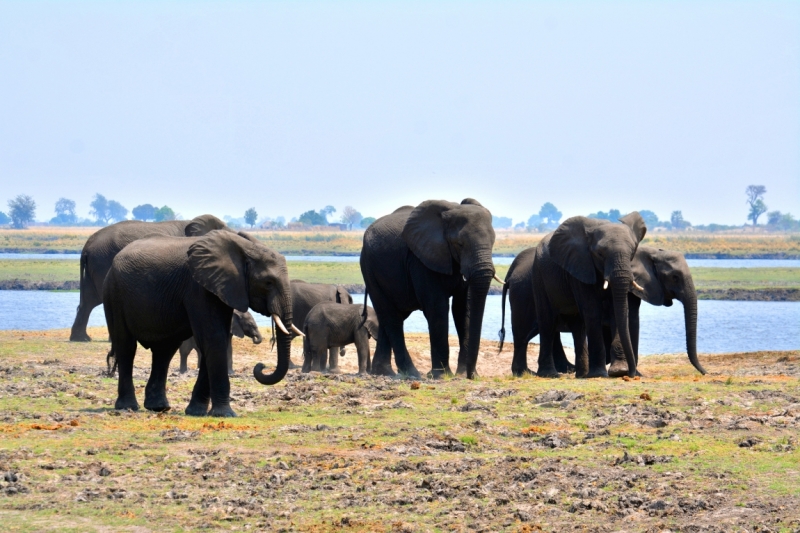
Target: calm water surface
x=724, y=326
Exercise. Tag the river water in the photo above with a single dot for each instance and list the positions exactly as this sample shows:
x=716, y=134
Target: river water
x=723, y=326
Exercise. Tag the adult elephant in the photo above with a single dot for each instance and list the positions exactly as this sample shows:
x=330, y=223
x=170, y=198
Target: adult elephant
x=101, y=248
x=305, y=296
x=662, y=276
x=162, y=290
x=418, y=258
x=572, y=268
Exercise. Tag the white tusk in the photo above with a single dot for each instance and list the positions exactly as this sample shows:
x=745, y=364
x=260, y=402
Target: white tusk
x=279, y=323
x=498, y=280
x=637, y=286
x=294, y=328
x=605, y=284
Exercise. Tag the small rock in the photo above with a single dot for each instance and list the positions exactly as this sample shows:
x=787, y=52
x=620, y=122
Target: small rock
x=104, y=472
x=749, y=442
x=550, y=495
x=655, y=423
x=10, y=477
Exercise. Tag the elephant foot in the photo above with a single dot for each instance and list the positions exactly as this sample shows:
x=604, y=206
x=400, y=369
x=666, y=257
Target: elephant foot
x=596, y=373
x=222, y=411
x=409, y=373
x=196, y=408
x=618, y=368
x=126, y=404
x=461, y=371
x=522, y=373
x=334, y=370
x=548, y=373
x=80, y=337
x=383, y=370
x=439, y=373
x=159, y=405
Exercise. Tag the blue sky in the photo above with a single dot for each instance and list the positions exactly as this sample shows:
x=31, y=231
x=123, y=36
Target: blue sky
x=288, y=106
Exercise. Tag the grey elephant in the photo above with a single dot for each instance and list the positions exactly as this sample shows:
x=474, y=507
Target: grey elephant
x=330, y=325
x=100, y=249
x=162, y=290
x=661, y=276
x=419, y=258
x=572, y=269
x=242, y=324
x=307, y=295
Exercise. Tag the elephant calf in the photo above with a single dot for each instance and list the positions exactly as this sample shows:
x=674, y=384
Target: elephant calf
x=331, y=325
x=241, y=324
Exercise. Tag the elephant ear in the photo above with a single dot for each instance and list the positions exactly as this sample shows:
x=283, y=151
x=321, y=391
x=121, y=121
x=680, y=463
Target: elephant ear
x=202, y=225
x=645, y=274
x=424, y=233
x=342, y=296
x=236, y=325
x=218, y=263
x=569, y=248
x=371, y=323
x=636, y=223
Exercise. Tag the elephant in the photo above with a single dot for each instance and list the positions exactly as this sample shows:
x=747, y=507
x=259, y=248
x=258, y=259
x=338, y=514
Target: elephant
x=242, y=324
x=662, y=276
x=307, y=295
x=329, y=325
x=572, y=268
x=418, y=258
x=100, y=249
x=162, y=290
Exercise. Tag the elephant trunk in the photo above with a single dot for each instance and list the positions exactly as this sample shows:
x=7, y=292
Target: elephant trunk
x=620, y=284
x=689, y=301
x=284, y=343
x=476, y=302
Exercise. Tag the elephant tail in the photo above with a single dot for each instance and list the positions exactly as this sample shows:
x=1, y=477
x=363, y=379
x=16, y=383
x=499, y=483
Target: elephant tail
x=502, y=332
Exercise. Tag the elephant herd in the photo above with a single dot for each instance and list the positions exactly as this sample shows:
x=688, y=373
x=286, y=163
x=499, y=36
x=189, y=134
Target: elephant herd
x=186, y=285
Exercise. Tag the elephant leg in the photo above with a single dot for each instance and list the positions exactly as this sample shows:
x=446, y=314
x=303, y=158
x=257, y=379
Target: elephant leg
x=547, y=333
x=321, y=360
x=186, y=348
x=524, y=328
x=581, y=366
x=89, y=299
x=440, y=348
x=201, y=393
x=382, y=360
x=459, y=312
x=230, y=356
x=155, y=393
x=125, y=352
x=333, y=360
x=596, y=345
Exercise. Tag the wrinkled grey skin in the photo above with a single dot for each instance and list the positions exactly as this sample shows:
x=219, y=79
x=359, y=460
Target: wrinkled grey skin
x=101, y=248
x=419, y=258
x=242, y=324
x=305, y=296
x=664, y=276
x=162, y=290
x=330, y=325
x=569, y=271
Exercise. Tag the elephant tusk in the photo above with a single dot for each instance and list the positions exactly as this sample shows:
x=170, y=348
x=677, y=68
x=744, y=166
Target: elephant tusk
x=605, y=284
x=637, y=286
x=498, y=280
x=294, y=328
x=279, y=323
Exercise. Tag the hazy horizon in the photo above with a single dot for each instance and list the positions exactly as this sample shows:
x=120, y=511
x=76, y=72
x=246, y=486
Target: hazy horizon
x=285, y=107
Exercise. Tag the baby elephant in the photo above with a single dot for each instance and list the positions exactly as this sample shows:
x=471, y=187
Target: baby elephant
x=241, y=324
x=331, y=325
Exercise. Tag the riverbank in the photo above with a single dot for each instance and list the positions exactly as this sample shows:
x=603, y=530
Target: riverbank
x=674, y=450
x=693, y=245
x=763, y=284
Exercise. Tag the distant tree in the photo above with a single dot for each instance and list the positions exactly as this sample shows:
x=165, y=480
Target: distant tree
x=650, y=218
x=501, y=222
x=551, y=214
x=677, y=221
x=782, y=221
x=116, y=211
x=367, y=222
x=65, y=213
x=4, y=219
x=250, y=216
x=351, y=217
x=144, y=212
x=280, y=221
x=99, y=209
x=755, y=199
x=163, y=214
x=613, y=215
x=520, y=225
x=313, y=218
x=327, y=211
x=534, y=222
x=21, y=209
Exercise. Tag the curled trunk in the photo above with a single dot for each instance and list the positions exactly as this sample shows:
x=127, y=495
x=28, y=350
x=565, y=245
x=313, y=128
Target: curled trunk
x=620, y=283
x=284, y=343
x=476, y=303
x=690, y=318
